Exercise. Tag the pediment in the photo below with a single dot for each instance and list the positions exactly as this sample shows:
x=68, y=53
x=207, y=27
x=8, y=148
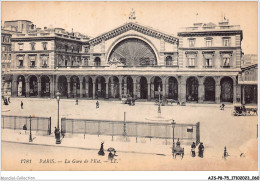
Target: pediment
x=136, y=27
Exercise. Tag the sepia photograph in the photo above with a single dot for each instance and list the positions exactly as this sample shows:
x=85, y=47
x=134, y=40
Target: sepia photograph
x=129, y=86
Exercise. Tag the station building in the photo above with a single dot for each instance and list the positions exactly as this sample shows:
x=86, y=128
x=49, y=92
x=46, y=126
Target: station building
x=200, y=64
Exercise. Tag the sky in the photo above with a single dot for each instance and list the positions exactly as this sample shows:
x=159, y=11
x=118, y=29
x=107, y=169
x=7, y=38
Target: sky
x=94, y=18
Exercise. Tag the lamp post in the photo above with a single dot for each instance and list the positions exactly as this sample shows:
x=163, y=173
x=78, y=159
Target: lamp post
x=159, y=107
x=57, y=131
x=173, y=126
x=30, y=137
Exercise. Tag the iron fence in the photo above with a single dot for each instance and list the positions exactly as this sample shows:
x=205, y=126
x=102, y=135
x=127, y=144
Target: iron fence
x=131, y=129
x=42, y=124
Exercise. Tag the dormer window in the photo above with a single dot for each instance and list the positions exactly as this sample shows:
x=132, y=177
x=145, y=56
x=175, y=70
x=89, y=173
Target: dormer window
x=226, y=41
x=32, y=46
x=192, y=42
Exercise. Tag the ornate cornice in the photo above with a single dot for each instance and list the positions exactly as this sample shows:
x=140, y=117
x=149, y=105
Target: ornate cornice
x=211, y=33
x=136, y=27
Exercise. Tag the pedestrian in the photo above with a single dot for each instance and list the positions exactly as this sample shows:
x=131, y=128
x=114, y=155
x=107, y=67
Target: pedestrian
x=201, y=150
x=9, y=100
x=225, y=152
x=101, y=150
x=24, y=128
x=97, y=105
x=77, y=101
x=193, y=147
x=222, y=106
x=21, y=104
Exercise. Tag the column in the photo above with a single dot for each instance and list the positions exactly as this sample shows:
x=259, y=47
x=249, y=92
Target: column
x=234, y=93
x=217, y=91
x=138, y=91
x=107, y=90
x=39, y=87
x=183, y=89
x=87, y=86
x=38, y=61
x=56, y=78
x=68, y=83
x=167, y=89
x=80, y=87
x=125, y=88
x=149, y=90
x=52, y=91
x=120, y=88
x=27, y=87
x=14, y=87
x=243, y=94
x=201, y=91
x=94, y=90
x=163, y=89
x=152, y=90
x=134, y=83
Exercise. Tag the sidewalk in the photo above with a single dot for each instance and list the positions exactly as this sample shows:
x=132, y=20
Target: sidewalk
x=92, y=142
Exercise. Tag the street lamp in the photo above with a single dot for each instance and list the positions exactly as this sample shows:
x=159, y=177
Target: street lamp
x=30, y=137
x=159, y=108
x=173, y=126
x=57, y=131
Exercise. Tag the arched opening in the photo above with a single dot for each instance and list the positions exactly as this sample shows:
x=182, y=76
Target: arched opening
x=21, y=90
x=100, y=87
x=156, y=82
x=192, y=89
x=226, y=89
x=45, y=86
x=173, y=88
x=74, y=86
x=97, y=62
x=63, y=86
x=143, y=88
x=209, y=86
x=90, y=87
x=113, y=87
x=33, y=86
x=129, y=87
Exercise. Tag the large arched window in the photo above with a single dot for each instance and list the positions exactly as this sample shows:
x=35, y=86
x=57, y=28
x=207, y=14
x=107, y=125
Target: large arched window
x=133, y=52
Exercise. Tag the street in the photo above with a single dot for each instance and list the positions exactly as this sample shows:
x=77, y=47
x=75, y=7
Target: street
x=218, y=129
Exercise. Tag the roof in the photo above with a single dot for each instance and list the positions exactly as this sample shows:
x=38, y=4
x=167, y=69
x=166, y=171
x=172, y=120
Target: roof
x=133, y=26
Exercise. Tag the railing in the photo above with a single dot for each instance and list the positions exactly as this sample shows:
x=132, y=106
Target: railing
x=131, y=129
x=42, y=124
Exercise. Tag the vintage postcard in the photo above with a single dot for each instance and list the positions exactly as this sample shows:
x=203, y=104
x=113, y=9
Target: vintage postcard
x=132, y=86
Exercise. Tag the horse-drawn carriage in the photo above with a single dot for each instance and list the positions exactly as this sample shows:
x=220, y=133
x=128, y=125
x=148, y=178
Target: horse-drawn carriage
x=178, y=150
x=127, y=99
x=241, y=110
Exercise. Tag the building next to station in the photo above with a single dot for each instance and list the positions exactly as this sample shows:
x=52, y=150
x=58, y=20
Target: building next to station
x=201, y=64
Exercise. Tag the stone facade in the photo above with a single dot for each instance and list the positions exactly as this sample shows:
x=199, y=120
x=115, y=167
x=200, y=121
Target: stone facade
x=200, y=65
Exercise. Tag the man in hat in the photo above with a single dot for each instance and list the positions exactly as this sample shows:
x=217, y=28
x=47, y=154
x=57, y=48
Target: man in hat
x=193, y=146
x=201, y=150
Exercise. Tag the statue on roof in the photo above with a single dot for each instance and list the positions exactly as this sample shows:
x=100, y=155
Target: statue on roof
x=132, y=15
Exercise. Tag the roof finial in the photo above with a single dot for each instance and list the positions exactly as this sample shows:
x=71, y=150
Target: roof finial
x=132, y=15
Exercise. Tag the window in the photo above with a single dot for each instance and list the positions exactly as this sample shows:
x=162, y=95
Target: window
x=9, y=57
x=20, y=46
x=208, y=62
x=32, y=61
x=44, y=60
x=226, y=42
x=226, y=61
x=168, y=61
x=32, y=46
x=191, y=62
x=66, y=48
x=208, y=43
x=44, y=45
x=86, y=49
x=191, y=42
x=97, y=62
x=5, y=57
x=20, y=60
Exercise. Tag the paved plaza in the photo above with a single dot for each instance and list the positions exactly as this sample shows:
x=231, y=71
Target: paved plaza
x=217, y=130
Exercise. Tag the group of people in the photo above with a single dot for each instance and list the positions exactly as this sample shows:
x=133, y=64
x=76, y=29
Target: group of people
x=110, y=155
x=200, y=150
x=6, y=100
